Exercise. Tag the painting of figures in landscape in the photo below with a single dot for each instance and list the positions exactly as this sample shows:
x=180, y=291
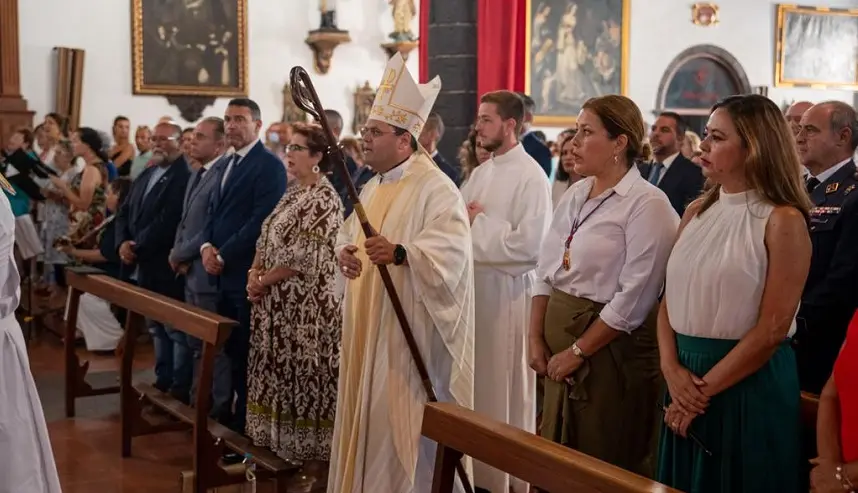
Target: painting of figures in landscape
x=190, y=47
x=577, y=49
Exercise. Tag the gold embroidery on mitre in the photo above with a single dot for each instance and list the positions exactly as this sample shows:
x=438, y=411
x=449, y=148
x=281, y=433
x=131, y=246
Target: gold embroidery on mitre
x=402, y=102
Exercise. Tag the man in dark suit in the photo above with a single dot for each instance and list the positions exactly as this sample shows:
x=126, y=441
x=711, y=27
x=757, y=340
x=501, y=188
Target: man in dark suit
x=826, y=142
x=248, y=187
x=432, y=133
x=335, y=120
x=207, y=148
x=679, y=178
x=531, y=143
x=145, y=229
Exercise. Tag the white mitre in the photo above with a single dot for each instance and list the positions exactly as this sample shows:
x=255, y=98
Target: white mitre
x=402, y=102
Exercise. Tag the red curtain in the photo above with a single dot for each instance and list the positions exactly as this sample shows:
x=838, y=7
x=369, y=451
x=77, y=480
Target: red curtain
x=501, y=41
x=423, y=70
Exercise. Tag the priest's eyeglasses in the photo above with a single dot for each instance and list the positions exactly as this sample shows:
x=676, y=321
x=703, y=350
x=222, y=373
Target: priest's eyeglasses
x=373, y=132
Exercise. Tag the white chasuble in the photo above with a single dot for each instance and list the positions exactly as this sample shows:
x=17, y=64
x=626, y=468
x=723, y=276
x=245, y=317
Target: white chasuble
x=377, y=445
x=516, y=199
x=26, y=460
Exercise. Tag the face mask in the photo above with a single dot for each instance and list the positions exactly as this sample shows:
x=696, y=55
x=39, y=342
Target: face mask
x=273, y=137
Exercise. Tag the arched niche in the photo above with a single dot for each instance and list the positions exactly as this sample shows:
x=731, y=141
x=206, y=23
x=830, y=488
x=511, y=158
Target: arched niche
x=696, y=79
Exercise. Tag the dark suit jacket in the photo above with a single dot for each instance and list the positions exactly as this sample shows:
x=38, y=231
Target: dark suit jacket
x=151, y=223
x=453, y=171
x=830, y=295
x=189, y=235
x=682, y=182
x=340, y=186
x=538, y=151
x=237, y=211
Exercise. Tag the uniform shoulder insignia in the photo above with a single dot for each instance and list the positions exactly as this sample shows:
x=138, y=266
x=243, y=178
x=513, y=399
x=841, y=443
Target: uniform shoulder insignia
x=831, y=188
x=849, y=189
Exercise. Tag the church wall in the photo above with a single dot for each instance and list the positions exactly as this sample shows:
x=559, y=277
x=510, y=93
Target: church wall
x=661, y=29
x=276, y=34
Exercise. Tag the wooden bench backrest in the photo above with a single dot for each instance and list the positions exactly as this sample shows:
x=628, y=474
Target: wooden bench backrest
x=531, y=458
x=209, y=327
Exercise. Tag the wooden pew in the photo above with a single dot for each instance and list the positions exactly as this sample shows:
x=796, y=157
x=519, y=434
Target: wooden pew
x=542, y=463
x=210, y=438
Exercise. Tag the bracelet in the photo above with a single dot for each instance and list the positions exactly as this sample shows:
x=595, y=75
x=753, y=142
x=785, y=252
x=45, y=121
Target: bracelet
x=843, y=478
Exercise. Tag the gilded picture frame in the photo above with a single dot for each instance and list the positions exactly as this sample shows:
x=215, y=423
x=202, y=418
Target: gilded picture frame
x=568, y=60
x=802, y=34
x=189, y=47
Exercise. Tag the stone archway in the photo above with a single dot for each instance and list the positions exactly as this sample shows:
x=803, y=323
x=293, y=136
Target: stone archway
x=696, y=79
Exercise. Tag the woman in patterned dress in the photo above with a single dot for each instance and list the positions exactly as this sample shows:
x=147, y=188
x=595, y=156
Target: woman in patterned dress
x=296, y=320
x=86, y=193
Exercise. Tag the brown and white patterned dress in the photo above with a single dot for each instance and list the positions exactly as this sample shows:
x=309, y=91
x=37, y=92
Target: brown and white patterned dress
x=296, y=328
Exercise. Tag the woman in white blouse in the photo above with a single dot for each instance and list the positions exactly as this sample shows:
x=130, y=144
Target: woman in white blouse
x=734, y=281
x=599, y=274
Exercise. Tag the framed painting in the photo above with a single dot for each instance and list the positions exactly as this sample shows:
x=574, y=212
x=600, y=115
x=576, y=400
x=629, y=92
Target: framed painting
x=816, y=47
x=189, y=47
x=576, y=50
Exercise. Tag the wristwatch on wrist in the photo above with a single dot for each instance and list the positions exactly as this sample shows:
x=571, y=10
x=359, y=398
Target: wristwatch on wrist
x=399, y=255
x=577, y=351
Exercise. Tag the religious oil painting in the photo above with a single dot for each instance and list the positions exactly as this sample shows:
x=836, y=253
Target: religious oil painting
x=189, y=47
x=576, y=50
x=817, y=47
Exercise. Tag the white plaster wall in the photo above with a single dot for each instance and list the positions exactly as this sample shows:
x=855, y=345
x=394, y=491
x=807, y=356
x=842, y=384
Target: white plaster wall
x=276, y=33
x=661, y=29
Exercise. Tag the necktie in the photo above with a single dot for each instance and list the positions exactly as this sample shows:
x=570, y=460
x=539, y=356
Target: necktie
x=197, y=179
x=232, y=162
x=811, y=183
x=655, y=173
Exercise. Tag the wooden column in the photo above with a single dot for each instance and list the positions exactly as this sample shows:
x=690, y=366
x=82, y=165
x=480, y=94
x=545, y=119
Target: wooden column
x=13, y=107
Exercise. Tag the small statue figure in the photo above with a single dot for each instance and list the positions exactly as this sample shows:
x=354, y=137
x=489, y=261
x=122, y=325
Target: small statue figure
x=328, y=9
x=403, y=12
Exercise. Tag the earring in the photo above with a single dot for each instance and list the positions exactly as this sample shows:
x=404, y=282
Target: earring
x=316, y=169
x=616, y=159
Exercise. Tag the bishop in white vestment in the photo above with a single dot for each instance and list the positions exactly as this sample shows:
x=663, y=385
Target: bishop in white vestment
x=514, y=197
x=425, y=241
x=26, y=460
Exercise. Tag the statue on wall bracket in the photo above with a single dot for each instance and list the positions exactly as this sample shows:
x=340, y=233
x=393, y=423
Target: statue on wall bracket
x=363, y=99
x=403, y=39
x=327, y=37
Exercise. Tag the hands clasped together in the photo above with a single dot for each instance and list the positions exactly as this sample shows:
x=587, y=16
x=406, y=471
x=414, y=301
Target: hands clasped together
x=687, y=399
x=379, y=250
x=558, y=367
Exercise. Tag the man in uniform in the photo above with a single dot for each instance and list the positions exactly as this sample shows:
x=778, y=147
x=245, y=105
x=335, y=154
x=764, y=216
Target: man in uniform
x=425, y=242
x=826, y=142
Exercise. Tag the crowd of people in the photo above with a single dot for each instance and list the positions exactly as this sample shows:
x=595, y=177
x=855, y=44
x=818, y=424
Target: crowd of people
x=653, y=301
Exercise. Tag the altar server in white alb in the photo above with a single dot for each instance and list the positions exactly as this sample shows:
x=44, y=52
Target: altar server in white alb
x=26, y=461
x=425, y=242
x=509, y=205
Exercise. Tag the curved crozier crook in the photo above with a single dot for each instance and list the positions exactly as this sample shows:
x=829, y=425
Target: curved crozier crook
x=301, y=94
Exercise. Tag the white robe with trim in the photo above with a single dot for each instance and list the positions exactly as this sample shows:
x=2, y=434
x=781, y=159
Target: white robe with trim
x=428, y=217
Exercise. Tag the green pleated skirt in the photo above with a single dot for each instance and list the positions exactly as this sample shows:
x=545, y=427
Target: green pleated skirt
x=752, y=428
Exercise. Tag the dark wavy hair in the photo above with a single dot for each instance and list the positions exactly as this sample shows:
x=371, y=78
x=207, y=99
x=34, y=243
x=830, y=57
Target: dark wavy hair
x=317, y=142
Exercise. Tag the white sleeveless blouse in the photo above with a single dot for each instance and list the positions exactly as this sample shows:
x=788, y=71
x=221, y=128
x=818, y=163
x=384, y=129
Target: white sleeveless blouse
x=717, y=270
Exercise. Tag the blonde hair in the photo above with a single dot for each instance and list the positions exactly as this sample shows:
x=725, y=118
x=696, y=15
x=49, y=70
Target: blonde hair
x=772, y=169
x=620, y=116
x=693, y=140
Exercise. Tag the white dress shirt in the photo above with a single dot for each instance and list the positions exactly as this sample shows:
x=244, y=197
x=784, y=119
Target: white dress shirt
x=619, y=253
